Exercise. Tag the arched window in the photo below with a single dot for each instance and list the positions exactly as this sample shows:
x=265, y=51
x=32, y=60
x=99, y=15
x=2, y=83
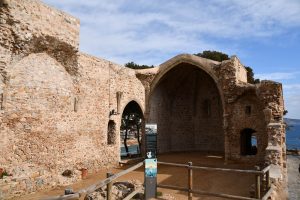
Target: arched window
x=248, y=142
x=111, y=133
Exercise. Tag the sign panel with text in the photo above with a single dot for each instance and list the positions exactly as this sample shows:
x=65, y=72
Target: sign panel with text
x=151, y=140
x=151, y=161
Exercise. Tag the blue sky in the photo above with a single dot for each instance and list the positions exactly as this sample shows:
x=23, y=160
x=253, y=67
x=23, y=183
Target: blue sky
x=264, y=34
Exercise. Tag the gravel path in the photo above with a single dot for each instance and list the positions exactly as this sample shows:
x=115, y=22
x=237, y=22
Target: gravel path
x=293, y=177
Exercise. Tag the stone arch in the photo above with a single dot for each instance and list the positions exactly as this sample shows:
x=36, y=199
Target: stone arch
x=138, y=102
x=178, y=109
x=133, y=110
x=202, y=63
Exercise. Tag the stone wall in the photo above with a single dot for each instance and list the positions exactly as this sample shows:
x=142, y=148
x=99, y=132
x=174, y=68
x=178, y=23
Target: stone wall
x=241, y=120
x=32, y=18
x=53, y=121
x=32, y=27
x=56, y=105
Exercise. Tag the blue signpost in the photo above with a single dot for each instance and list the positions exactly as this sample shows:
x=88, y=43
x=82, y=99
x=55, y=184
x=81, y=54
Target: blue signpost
x=151, y=161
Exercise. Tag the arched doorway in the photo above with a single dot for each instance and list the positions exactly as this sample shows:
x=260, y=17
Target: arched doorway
x=131, y=130
x=248, y=142
x=187, y=107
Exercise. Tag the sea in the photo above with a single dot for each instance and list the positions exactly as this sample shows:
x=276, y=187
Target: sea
x=293, y=137
x=133, y=149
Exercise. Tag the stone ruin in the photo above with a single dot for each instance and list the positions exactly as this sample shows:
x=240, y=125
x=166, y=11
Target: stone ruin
x=61, y=109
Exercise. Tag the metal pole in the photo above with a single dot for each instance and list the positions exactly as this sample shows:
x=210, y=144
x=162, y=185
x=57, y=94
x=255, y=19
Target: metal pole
x=190, y=181
x=109, y=187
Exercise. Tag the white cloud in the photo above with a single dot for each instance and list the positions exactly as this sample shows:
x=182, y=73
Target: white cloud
x=291, y=93
x=127, y=30
x=292, y=105
x=278, y=76
x=292, y=87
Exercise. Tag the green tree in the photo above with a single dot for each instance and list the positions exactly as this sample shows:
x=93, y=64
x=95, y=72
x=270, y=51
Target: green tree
x=213, y=55
x=131, y=121
x=132, y=118
x=219, y=56
x=133, y=65
x=250, y=76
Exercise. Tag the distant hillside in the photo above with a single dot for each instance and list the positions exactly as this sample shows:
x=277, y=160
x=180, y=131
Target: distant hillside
x=292, y=122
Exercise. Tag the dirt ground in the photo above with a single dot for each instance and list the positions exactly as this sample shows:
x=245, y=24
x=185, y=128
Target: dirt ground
x=221, y=182
x=293, y=177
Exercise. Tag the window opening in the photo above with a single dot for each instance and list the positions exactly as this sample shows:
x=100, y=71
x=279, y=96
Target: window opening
x=248, y=142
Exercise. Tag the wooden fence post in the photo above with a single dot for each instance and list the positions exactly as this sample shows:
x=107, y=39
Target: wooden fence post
x=257, y=183
x=190, y=181
x=268, y=179
x=109, y=187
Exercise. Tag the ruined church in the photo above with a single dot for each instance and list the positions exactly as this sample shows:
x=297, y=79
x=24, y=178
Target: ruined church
x=61, y=108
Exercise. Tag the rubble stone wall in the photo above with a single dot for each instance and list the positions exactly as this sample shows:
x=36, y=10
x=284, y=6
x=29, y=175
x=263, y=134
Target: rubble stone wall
x=53, y=121
x=242, y=120
x=34, y=18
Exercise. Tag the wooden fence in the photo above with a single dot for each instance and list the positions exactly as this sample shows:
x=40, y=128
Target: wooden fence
x=263, y=187
x=81, y=194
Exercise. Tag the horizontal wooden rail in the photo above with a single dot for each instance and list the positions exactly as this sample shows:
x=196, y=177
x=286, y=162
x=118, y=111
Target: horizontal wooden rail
x=228, y=170
x=172, y=164
x=227, y=196
x=266, y=169
x=95, y=186
x=172, y=187
x=212, y=168
x=266, y=196
x=100, y=184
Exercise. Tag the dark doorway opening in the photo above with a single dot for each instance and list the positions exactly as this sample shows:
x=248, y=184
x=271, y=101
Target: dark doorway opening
x=131, y=131
x=248, y=142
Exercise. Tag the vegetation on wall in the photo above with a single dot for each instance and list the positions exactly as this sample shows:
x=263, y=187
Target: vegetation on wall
x=219, y=56
x=212, y=55
x=133, y=65
x=250, y=76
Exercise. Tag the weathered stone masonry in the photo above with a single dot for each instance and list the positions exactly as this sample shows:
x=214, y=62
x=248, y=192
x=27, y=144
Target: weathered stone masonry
x=58, y=105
